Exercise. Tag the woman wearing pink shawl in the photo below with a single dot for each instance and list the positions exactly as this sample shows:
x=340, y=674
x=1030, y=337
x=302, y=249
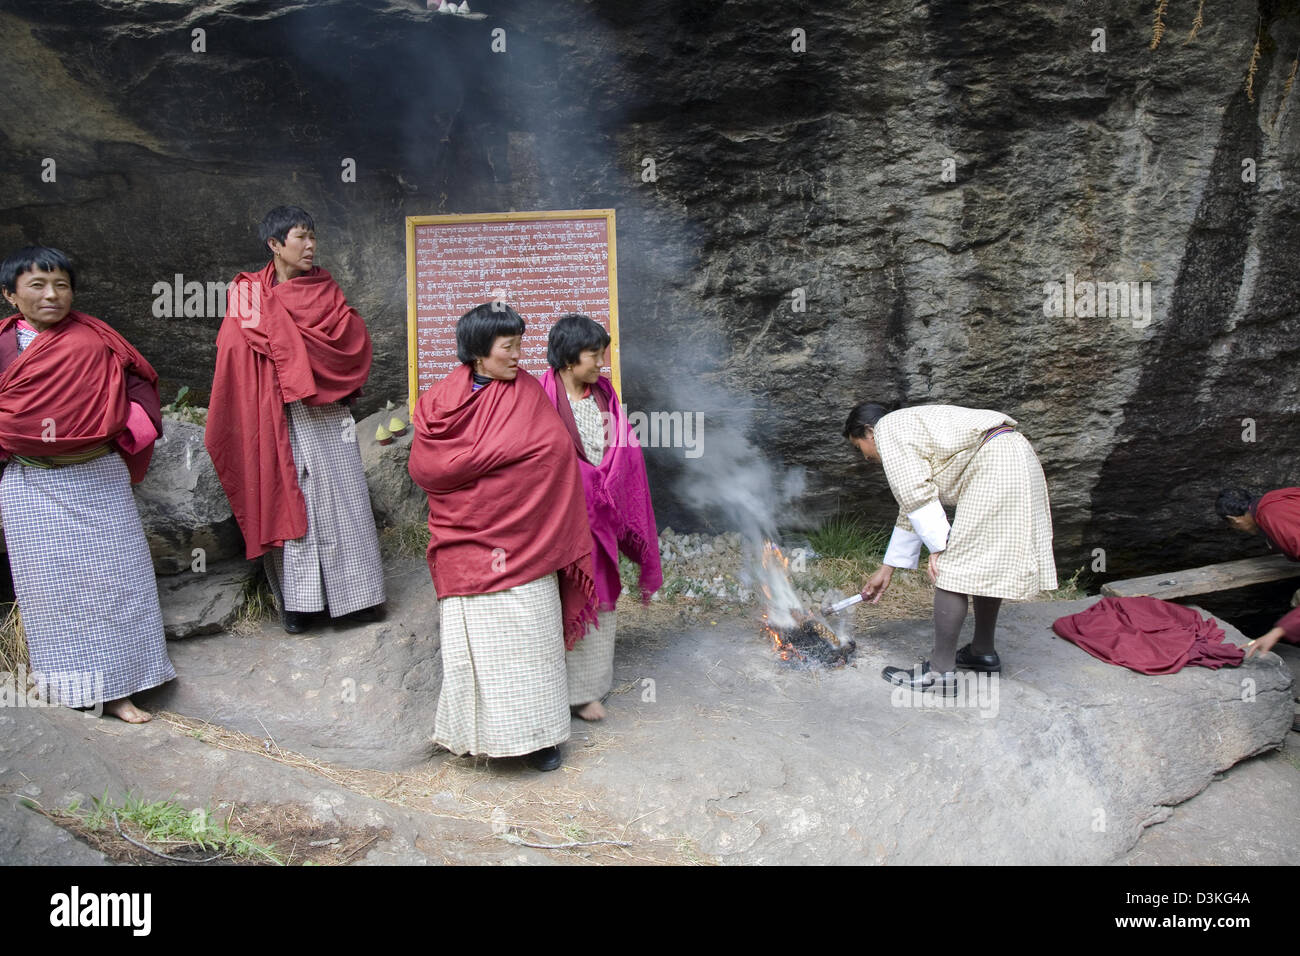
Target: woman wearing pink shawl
x=617, y=492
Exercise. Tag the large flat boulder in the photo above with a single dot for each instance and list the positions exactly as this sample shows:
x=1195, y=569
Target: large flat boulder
x=1064, y=761
x=357, y=695
x=208, y=602
x=56, y=756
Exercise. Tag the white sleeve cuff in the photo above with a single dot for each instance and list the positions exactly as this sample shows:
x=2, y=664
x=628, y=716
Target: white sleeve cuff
x=931, y=523
x=904, y=549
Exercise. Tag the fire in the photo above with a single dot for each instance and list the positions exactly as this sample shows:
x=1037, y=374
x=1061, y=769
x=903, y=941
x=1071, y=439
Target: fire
x=786, y=621
x=776, y=578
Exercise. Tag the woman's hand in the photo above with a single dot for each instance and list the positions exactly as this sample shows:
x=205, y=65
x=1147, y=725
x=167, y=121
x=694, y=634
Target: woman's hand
x=933, y=568
x=877, y=583
x=1262, y=645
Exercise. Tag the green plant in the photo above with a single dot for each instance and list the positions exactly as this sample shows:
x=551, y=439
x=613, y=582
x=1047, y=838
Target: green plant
x=180, y=408
x=1072, y=589
x=848, y=536
x=165, y=824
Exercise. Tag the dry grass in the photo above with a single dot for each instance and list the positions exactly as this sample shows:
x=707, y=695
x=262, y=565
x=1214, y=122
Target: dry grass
x=1250, y=72
x=405, y=541
x=1197, y=23
x=259, y=606
x=512, y=809
x=1158, y=24
x=13, y=642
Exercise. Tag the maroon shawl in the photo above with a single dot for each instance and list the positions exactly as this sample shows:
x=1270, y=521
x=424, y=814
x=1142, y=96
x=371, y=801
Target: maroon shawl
x=73, y=386
x=618, y=495
x=298, y=340
x=1148, y=635
x=505, y=495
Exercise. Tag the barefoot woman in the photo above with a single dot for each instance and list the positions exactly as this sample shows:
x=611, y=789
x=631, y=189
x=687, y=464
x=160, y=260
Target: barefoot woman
x=79, y=414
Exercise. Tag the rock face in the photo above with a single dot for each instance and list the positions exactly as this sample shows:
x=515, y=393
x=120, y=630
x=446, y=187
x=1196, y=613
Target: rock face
x=815, y=206
x=183, y=506
x=394, y=497
x=195, y=604
x=362, y=696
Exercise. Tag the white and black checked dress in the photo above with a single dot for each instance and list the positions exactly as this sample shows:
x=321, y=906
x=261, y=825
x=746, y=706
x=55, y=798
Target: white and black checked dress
x=84, y=578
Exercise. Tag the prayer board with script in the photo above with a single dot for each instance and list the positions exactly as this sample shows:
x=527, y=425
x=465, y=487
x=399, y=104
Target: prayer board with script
x=542, y=264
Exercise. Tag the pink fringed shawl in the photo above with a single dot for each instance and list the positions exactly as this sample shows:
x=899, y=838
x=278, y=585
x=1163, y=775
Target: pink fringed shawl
x=618, y=495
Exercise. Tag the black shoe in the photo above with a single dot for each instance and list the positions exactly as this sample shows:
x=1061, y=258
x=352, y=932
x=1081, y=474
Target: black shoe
x=984, y=663
x=367, y=615
x=921, y=678
x=295, y=622
x=548, y=758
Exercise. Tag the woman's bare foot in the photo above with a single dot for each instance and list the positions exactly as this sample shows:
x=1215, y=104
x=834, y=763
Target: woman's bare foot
x=123, y=709
x=593, y=711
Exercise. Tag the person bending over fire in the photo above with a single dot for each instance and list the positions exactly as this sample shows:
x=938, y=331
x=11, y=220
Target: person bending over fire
x=999, y=544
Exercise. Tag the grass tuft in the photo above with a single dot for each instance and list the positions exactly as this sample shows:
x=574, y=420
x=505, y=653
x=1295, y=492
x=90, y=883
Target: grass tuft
x=13, y=641
x=405, y=540
x=259, y=605
x=167, y=826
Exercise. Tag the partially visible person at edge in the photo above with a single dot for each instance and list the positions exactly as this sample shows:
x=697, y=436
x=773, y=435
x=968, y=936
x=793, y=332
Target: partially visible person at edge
x=1276, y=515
x=292, y=355
x=616, y=490
x=509, y=546
x=999, y=545
x=79, y=415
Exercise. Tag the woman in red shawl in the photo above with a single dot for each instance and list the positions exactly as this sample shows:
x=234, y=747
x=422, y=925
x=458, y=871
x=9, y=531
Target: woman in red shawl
x=615, y=487
x=509, y=546
x=291, y=356
x=79, y=414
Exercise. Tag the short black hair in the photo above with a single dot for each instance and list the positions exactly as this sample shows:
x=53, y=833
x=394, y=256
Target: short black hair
x=28, y=258
x=277, y=223
x=481, y=326
x=571, y=336
x=862, y=417
x=1233, y=502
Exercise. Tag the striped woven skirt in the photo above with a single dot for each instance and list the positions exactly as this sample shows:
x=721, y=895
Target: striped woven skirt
x=590, y=665
x=336, y=563
x=84, y=581
x=503, y=684
x=1001, y=539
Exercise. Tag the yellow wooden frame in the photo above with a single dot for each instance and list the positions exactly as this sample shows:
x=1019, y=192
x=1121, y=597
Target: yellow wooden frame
x=412, y=371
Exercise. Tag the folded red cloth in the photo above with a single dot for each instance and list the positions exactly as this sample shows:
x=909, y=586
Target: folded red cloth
x=1148, y=635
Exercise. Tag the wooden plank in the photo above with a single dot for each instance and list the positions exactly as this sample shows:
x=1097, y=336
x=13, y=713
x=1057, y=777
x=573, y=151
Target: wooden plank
x=1211, y=577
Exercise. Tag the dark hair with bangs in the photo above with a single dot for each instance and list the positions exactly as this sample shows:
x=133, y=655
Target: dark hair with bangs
x=40, y=258
x=571, y=336
x=277, y=223
x=481, y=326
x=862, y=417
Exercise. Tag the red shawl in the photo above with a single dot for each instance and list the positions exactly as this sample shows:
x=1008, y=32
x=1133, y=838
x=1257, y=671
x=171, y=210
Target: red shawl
x=1148, y=635
x=1278, y=516
x=505, y=495
x=618, y=495
x=298, y=340
x=71, y=384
